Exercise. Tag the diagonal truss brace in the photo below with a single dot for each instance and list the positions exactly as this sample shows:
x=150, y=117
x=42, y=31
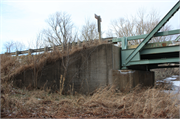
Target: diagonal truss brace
x=154, y=31
x=178, y=38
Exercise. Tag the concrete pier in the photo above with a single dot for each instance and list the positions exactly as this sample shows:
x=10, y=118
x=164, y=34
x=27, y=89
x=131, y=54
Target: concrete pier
x=130, y=78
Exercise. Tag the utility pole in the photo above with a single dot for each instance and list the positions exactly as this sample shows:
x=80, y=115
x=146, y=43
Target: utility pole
x=99, y=26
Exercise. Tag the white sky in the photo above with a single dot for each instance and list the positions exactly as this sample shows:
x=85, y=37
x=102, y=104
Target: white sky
x=22, y=20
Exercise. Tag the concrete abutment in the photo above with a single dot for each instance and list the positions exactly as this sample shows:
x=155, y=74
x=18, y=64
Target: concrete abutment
x=88, y=70
x=123, y=79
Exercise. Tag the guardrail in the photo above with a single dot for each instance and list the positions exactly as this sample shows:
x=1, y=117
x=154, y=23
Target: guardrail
x=46, y=49
x=30, y=51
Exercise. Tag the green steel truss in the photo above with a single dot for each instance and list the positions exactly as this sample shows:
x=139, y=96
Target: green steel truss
x=165, y=33
x=154, y=31
x=145, y=55
x=178, y=38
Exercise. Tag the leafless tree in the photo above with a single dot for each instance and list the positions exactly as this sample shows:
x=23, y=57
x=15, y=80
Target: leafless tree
x=9, y=45
x=38, y=42
x=19, y=46
x=60, y=29
x=141, y=23
x=109, y=33
x=13, y=46
x=89, y=31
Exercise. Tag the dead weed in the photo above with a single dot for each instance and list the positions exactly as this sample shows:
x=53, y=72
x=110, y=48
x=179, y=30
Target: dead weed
x=105, y=103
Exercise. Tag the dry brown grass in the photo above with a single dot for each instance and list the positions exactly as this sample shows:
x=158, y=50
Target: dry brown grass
x=105, y=103
x=11, y=65
x=165, y=72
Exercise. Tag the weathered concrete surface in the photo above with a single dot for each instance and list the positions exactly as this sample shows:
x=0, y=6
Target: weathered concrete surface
x=87, y=70
x=130, y=78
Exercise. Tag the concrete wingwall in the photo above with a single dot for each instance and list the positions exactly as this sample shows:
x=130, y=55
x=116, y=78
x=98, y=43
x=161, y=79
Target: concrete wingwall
x=88, y=69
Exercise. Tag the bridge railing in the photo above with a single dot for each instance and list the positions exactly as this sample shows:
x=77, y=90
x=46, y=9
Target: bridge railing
x=55, y=47
x=30, y=51
x=124, y=40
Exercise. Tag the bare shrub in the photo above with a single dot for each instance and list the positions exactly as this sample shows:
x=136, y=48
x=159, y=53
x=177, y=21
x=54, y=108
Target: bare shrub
x=165, y=72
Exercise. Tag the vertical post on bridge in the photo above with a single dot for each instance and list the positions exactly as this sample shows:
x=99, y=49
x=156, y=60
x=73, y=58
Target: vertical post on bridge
x=54, y=47
x=99, y=26
x=29, y=52
x=45, y=49
x=124, y=43
x=17, y=53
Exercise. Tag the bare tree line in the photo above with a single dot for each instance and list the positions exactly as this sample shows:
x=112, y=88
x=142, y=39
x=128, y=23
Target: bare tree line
x=61, y=30
x=141, y=23
x=13, y=46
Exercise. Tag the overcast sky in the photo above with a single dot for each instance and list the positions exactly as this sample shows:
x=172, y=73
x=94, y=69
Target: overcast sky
x=22, y=20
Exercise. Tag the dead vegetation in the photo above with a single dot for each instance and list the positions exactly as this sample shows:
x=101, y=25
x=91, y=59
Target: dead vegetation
x=104, y=103
x=165, y=72
x=12, y=65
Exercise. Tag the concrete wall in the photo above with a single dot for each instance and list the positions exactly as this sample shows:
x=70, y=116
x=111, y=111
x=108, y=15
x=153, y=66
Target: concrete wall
x=87, y=70
x=130, y=78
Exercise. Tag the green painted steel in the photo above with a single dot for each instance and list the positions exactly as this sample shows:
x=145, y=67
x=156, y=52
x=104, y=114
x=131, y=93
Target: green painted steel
x=165, y=33
x=149, y=55
x=152, y=45
x=168, y=49
x=154, y=61
x=124, y=43
x=148, y=51
x=126, y=53
x=158, y=44
x=154, y=31
x=178, y=38
x=155, y=67
x=124, y=68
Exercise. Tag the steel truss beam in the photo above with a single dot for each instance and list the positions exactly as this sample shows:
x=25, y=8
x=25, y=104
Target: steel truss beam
x=153, y=32
x=154, y=61
x=168, y=49
x=165, y=33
